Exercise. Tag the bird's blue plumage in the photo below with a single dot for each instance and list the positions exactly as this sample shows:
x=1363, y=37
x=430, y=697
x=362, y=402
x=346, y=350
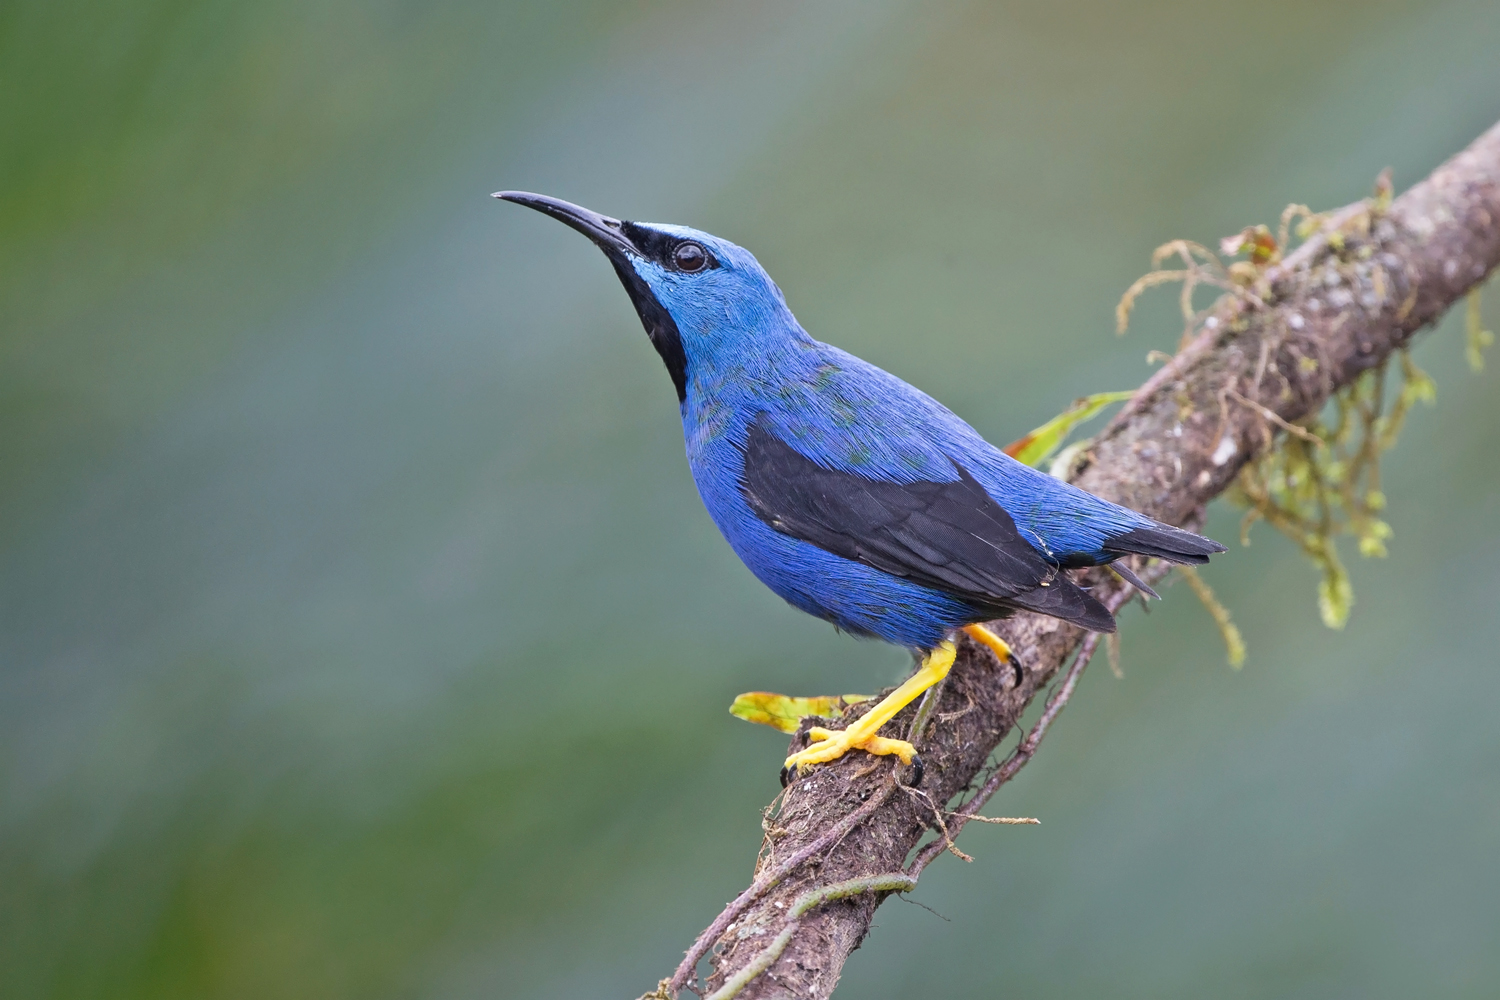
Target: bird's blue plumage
x=747, y=367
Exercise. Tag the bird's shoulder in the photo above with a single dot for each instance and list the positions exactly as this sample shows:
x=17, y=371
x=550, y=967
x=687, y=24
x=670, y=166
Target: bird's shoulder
x=849, y=415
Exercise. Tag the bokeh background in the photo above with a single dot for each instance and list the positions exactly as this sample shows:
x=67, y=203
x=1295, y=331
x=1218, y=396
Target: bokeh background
x=362, y=635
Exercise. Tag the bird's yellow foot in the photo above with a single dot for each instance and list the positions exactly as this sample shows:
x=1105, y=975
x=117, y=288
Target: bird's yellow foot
x=997, y=645
x=862, y=734
x=831, y=744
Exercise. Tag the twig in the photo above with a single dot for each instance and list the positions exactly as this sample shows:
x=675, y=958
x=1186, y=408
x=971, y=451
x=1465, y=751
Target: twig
x=1004, y=820
x=1275, y=418
x=894, y=882
x=937, y=815
x=1018, y=758
x=768, y=880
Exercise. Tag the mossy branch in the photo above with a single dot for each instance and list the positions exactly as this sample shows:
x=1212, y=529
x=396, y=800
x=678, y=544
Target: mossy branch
x=893, y=882
x=1295, y=330
x=1321, y=479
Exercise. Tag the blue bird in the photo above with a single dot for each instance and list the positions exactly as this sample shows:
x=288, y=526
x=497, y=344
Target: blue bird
x=854, y=496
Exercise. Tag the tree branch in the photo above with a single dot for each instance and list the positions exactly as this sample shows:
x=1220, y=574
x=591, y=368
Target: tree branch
x=1340, y=305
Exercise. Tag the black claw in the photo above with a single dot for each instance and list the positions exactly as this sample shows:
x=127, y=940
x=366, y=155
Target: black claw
x=917, y=770
x=786, y=776
x=1015, y=665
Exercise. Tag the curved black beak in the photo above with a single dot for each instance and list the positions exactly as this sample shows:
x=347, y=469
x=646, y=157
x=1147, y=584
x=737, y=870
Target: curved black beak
x=603, y=230
x=612, y=236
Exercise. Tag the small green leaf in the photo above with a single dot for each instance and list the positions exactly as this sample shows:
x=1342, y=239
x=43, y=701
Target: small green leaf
x=1478, y=337
x=1036, y=447
x=1419, y=388
x=1335, y=595
x=785, y=712
x=1372, y=536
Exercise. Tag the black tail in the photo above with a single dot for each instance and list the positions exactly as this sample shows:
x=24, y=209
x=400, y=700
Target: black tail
x=1164, y=542
x=1062, y=598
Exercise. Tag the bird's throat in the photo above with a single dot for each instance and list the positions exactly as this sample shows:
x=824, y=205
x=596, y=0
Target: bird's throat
x=659, y=324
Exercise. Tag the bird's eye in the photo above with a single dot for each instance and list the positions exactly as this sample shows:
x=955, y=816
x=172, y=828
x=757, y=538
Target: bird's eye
x=690, y=257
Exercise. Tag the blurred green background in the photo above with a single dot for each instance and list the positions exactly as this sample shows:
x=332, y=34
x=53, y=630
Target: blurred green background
x=361, y=632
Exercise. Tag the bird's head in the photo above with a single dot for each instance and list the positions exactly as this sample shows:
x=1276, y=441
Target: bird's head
x=701, y=299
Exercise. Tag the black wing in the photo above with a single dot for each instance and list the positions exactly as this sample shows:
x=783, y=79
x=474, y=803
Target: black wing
x=949, y=536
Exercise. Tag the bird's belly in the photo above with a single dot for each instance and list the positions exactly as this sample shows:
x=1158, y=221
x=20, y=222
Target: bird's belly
x=854, y=597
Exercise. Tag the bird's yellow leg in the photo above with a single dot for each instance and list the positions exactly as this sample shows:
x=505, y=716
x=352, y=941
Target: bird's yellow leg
x=831, y=744
x=997, y=645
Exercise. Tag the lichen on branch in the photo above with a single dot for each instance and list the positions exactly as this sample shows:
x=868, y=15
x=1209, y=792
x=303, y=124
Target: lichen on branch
x=1349, y=298
x=1320, y=479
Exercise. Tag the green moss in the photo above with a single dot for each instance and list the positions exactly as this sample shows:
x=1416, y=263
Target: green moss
x=1321, y=481
x=1315, y=489
x=1478, y=338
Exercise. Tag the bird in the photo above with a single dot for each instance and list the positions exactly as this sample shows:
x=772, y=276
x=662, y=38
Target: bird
x=854, y=496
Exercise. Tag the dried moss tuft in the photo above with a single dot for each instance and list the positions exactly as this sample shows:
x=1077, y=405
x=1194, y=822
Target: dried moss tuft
x=1316, y=491
x=1320, y=481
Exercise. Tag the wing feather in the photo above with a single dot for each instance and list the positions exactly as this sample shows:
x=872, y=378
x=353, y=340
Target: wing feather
x=950, y=536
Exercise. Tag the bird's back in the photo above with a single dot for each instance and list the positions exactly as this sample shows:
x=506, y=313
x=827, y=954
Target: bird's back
x=851, y=416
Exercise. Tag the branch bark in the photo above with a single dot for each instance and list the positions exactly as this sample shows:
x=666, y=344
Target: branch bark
x=1342, y=304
